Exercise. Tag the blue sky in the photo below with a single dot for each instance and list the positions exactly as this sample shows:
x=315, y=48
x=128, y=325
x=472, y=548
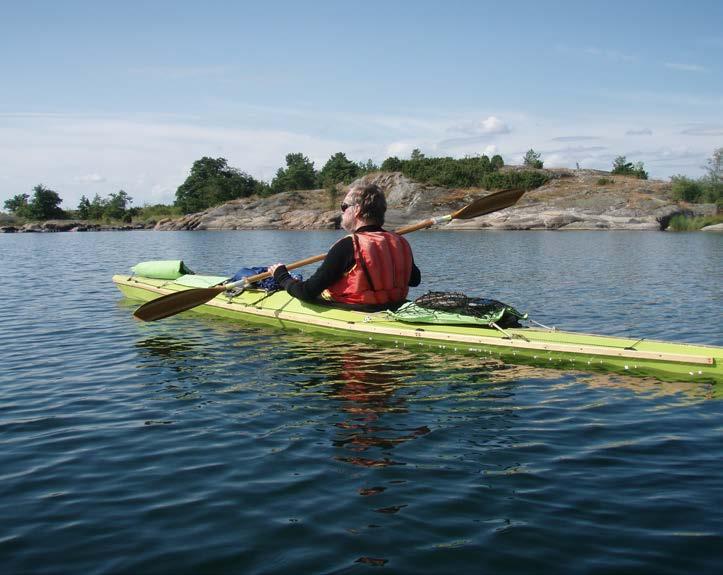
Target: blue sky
x=100, y=96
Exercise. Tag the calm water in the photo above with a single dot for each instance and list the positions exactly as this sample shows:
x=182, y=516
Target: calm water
x=201, y=445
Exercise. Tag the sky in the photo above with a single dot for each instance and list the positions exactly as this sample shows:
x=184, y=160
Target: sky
x=96, y=97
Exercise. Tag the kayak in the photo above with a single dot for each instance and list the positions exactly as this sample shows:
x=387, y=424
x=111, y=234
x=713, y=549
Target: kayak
x=665, y=361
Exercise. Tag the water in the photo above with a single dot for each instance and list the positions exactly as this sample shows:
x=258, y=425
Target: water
x=203, y=445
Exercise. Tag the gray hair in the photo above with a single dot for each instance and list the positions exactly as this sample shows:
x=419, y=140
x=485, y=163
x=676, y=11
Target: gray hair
x=371, y=201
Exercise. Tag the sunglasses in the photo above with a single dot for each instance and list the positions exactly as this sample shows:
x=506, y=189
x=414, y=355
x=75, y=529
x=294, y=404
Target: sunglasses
x=344, y=206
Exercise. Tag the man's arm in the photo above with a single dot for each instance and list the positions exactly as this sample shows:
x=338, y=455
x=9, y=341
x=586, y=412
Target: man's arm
x=415, y=278
x=338, y=260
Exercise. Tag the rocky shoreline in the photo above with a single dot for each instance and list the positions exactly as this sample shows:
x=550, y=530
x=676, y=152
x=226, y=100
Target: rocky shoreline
x=71, y=226
x=571, y=200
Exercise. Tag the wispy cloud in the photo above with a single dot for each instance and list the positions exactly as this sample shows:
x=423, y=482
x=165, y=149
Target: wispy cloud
x=651, y=98
x=685, y=67
x=90, y=179
x=642, y=132
x=577, y=150
x=703, y=130
x=400, y=149
x=712, y=41
x=476, y=135
x=611, y=55
x=575, y=138
x=181, y=72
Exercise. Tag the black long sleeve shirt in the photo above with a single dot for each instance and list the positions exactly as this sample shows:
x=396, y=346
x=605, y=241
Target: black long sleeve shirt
x=338, y=261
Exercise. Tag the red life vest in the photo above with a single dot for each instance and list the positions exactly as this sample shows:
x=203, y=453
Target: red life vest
x=383, y=265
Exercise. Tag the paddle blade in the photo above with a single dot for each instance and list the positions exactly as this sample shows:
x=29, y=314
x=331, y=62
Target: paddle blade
x=173, y=303
x=488, y=204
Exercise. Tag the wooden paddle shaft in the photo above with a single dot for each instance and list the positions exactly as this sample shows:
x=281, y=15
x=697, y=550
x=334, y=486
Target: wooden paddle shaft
x=305, y=262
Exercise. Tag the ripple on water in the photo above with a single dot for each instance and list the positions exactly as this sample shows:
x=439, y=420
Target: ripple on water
x=199, y=444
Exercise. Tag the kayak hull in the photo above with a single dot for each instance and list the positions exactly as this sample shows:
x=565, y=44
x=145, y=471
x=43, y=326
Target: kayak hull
x=665, y=361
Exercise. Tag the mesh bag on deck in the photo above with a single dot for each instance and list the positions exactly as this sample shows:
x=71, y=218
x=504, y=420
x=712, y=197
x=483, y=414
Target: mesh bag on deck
x=457, y=308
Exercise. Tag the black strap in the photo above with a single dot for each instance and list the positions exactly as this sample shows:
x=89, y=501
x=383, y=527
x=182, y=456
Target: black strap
x=360, y=259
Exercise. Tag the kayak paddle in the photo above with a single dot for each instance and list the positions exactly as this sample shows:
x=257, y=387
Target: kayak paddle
x=173, y=303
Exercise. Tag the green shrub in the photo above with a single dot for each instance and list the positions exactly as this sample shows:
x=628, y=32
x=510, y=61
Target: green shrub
x=526, y=180
x=623, y=167
x=155, y=212
x=686, y=189
x=604, y=181
x=533, y=159
x=681, y=223
x=713, y=193
x=10, y=220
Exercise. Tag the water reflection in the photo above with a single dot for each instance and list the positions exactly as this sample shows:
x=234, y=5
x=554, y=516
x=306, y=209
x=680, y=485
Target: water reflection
x=367, y=381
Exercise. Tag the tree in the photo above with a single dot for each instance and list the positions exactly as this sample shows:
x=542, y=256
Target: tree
x=533, y=159
x=298, y=175
x=391, y=164
x=715, y=167
x=83, y=208
x=338, y=169
x=116, y=207
x=45, y=204
x=97, y=207
x=497, y=162
x=367, y=167
x=213, y=182
x=18, y=205
x=416, y=154
x=621, y=165
x=639, y=171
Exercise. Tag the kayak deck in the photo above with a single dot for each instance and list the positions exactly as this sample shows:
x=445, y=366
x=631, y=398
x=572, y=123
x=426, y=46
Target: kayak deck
x=663, y=360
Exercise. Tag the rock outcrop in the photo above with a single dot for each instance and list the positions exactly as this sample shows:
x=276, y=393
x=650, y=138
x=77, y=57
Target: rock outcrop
x=305, y=210
x=571, y=200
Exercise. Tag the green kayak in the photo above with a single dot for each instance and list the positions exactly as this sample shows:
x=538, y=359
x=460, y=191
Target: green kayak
x=538, y=346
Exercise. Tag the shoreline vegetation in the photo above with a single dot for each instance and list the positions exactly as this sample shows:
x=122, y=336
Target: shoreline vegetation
x=215, y=189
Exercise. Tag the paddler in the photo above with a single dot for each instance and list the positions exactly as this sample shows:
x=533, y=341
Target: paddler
x=370, y=269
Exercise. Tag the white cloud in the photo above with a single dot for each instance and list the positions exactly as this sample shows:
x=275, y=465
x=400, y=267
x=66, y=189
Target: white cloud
x=557, y=161
x=399, y=149
x=574, y=138
x=703, y=130
x=493, y=125
x=642, y=132
x=490, y=150
x=90, y=179
x=685, y=67
x=181, y=72
x=488, y=126
x=612, y=55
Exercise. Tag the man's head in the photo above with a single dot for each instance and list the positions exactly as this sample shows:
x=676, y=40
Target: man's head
x=366, y=205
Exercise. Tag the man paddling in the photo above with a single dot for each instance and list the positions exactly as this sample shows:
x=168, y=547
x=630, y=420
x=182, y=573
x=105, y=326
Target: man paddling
x=371, y=268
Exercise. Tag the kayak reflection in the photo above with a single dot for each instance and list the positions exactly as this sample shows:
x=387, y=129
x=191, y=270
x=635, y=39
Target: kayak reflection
x=368, y=392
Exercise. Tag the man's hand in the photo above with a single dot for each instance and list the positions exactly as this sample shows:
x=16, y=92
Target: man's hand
x=272, y=269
